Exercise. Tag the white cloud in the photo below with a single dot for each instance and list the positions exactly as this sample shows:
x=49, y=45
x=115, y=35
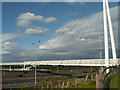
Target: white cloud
x=77, y=38
x=36, y=31
x=50, y=20
x=26, y=19
x=24, y=23
x=10, y=36
x=5, y=52
x=62, y=30
x=7, y=47
x=6, y=44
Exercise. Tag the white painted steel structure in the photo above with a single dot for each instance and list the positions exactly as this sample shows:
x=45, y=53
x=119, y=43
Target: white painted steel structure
x=106, y=15
x=81, y=62
x=111, y=31
x=105, y=35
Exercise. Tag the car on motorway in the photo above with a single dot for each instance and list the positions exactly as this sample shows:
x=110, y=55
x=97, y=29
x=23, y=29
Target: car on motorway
x=20, y=75
x=85, y=72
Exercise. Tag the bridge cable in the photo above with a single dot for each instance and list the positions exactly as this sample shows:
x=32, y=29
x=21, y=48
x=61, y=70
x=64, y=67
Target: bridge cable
x=91, y=21
x=82, y=22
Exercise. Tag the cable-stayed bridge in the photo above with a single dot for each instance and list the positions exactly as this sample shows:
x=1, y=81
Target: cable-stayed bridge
x=86, y=62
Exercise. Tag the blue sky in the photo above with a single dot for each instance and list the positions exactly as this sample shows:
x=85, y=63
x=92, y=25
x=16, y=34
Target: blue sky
x=12, y=10
x=62, y=13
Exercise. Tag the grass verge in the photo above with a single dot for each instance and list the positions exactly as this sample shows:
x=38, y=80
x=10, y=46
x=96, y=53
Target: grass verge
x=91, y=83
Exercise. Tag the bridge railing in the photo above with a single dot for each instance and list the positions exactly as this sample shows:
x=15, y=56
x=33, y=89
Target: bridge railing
x=87, y=62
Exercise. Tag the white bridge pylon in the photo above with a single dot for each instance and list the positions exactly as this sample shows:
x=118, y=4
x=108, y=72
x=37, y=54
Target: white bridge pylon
x=106, y=16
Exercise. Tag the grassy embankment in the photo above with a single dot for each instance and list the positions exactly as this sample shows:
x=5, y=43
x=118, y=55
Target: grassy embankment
x=91, y=83
x=115, y=82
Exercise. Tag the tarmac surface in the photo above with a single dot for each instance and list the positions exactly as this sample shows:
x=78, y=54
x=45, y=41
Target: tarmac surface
x=13, y=79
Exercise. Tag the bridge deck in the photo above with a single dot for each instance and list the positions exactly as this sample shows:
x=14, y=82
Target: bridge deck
x=87, y=62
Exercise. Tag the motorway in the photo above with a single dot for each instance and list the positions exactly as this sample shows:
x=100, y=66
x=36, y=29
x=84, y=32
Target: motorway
x=10, y=79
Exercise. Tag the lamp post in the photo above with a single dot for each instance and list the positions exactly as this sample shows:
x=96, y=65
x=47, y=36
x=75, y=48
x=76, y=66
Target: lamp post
x=100, y=47
x=7, y=53
x=35, y=71
x=24, y=64
x=57, y=59
x=35, y=68
x=3, y=61
x=100, y=51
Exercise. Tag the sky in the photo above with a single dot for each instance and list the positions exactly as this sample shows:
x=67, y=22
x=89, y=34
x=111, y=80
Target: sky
x=54, y=30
